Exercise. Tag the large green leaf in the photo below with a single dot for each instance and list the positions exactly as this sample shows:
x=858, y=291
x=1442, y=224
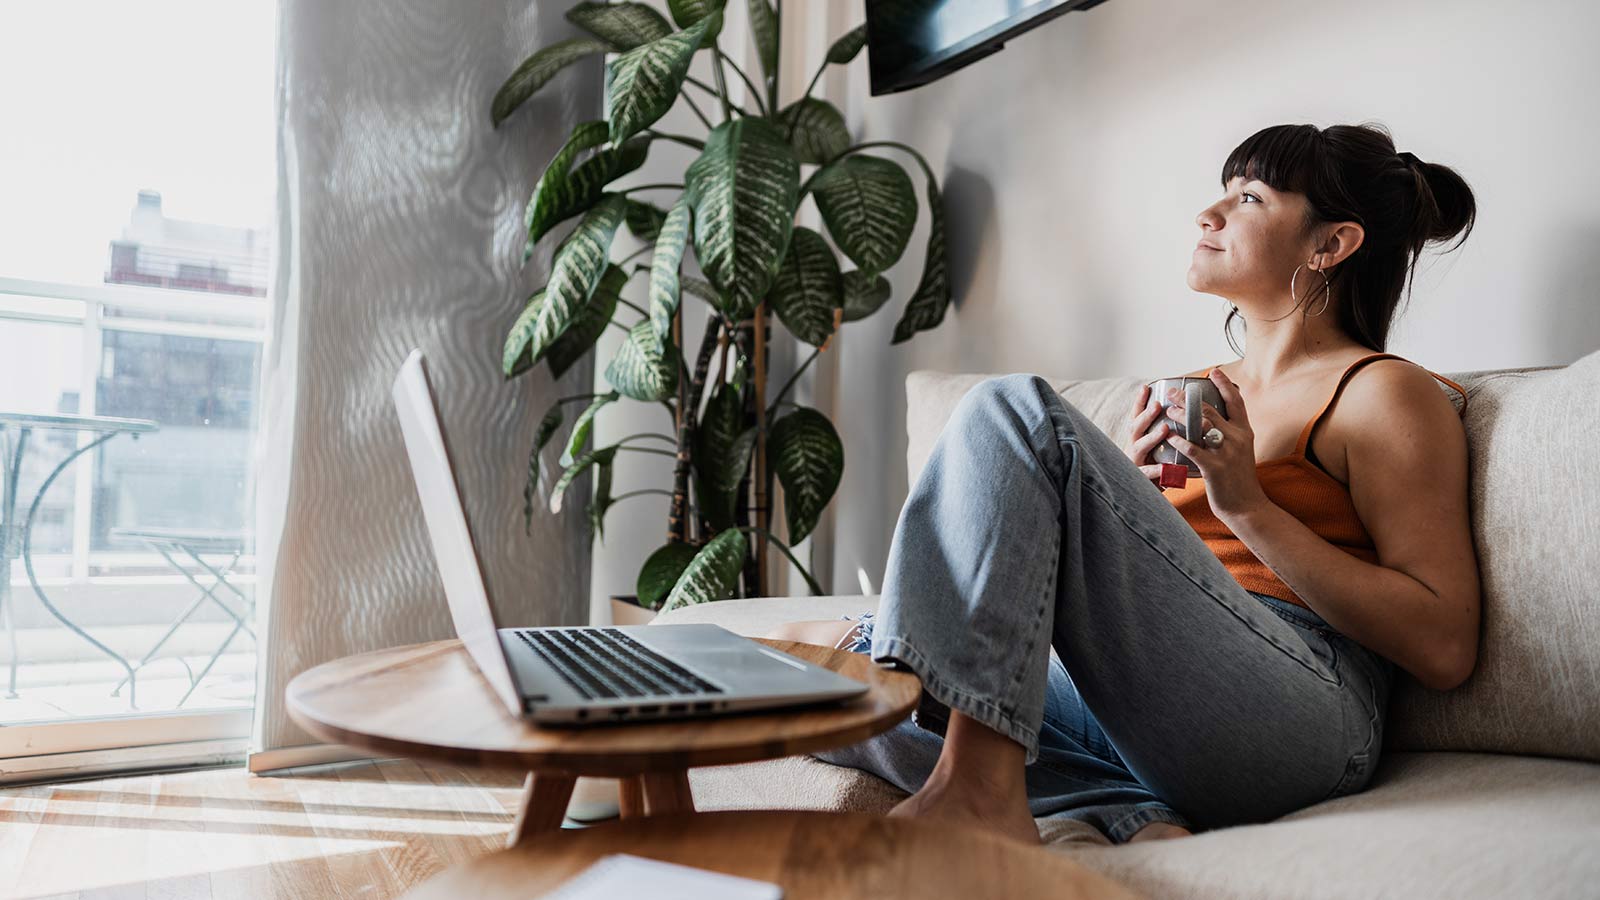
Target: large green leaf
x=553, y=190
x=538, y=69
x=547, y=427
x=579, y=265
x=926, y=307
x=745, y=186
x=644, y=219
x=514, y=358
x=568, y=194
x=664, y=267
x=643, y=83
x=687, y=13
x=870, y=207
x=590, y=322
x=809, y=459
x=584, y=424
x=807, y=289
x=764, y=26
x=721, y=455
x=713, y=573
x=645, y=367
x=661, y=571
x=863, y=295
x=848, y=45
x=579, y=466
x=622, y=25
x=816, y=130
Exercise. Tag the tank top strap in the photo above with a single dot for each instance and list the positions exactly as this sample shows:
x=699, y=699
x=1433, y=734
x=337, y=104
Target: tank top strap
x=1302, y=445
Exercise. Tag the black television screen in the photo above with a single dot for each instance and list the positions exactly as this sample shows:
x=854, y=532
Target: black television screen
x=913, y=42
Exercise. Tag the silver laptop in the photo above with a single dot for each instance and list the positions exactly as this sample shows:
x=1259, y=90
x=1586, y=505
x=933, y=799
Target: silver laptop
x=588, y=674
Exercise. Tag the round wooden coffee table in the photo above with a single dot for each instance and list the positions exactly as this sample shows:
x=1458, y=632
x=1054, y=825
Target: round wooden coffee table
x=810, y=854
x=428, y=701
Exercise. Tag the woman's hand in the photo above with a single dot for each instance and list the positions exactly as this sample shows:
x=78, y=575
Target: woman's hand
x=1232, y=487
x=1145, y=411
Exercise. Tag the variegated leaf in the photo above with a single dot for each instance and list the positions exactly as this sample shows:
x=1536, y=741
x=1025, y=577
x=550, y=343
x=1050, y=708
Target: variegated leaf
x=809, y=459
x=745, y=186
x=807, y=289
x=584, y=424
x=538, y=69
x=579, y=190
x=926, y=307
x=579, y=265
x=622, y=25
x=764, y=26
x=661, y=571
x=664, y=267
x=645, y=367
x=863, y=295
x=713, y=573
x=589, y=324
x=514, y=358
x=578, y=467
x=816, y=130
x=848, y=45
x=547, y=427
x=643, y=83
x=700, y=288
x=870, y=207
x=689, y=12
x=644, y=219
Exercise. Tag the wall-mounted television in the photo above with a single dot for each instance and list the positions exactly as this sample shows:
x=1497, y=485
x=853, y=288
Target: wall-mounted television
x=913, y=42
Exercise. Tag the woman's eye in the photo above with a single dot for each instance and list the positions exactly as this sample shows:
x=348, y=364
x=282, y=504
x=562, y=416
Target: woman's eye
x=1258, y=199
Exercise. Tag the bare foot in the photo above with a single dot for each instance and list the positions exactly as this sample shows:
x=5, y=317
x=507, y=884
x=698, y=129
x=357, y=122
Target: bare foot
x=1156, y=831
x=945, y=802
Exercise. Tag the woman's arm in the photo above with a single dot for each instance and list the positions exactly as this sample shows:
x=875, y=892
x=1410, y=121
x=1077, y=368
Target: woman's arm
x=1418, y=606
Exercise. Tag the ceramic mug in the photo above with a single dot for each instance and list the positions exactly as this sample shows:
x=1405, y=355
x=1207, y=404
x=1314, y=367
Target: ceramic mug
x=1194, y=391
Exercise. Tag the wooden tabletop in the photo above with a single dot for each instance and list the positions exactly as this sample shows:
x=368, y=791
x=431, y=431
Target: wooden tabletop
x=812, y=854
x=428, y=701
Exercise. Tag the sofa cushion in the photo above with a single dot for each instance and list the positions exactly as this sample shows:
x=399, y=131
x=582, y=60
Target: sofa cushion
x=1536, y=524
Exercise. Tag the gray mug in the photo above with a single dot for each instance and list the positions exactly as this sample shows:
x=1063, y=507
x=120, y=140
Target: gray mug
x=1195, y=390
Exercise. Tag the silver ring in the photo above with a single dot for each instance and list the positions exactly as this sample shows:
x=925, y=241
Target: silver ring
x=1212, y=438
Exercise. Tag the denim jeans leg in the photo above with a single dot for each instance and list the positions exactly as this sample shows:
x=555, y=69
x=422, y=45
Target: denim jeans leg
x=1028, y=529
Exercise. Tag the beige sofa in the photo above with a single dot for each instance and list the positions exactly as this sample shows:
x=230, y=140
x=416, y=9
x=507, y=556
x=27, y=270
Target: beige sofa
x=1488, y=790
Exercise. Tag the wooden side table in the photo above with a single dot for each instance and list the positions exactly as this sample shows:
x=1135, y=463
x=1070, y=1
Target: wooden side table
x=429, y=701
x=811, y=854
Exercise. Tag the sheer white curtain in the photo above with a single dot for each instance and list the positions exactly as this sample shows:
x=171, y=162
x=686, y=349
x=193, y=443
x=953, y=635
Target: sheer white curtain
x=400, y=226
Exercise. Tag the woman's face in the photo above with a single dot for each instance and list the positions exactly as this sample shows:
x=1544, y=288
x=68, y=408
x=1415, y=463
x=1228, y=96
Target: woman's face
x=1260, y=239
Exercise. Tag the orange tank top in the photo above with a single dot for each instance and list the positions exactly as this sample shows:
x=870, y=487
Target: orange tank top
x=1302, y=488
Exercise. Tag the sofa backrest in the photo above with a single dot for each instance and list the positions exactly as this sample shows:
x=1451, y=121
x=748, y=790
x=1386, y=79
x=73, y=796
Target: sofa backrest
x=1535, y=510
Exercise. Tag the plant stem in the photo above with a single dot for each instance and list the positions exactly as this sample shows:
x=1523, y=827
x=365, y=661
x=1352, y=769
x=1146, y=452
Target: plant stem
x=646, y=248
x=692, y=105
x=640, y=491
x=646, y=450
x=651, y=187
x=816, y=589
x=665, y=437
x=678, y=526
x=678, y=138
x=722, y=83
x=777, y=59
x=700, y=84
x=642, y=312
x=754, y=91
x=787, y=384
x=911, y=150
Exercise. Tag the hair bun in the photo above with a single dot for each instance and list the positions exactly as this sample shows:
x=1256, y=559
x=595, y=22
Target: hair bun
x=1410, y=159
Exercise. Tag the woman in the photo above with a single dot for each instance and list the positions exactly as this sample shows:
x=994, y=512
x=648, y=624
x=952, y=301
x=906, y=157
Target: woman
x=1155, y=662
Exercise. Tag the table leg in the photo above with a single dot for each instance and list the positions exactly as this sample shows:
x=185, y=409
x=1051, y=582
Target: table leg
x=630, y=800
x=544, y=803
x=667, y=792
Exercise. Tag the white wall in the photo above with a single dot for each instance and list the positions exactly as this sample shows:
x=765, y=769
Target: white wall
x=1075, y=161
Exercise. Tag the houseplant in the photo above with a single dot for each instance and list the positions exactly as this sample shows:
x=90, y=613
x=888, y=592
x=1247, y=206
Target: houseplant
x=735, y=211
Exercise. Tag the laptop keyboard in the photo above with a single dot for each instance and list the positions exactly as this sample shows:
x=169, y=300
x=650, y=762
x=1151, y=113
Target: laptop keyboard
x=603, y=663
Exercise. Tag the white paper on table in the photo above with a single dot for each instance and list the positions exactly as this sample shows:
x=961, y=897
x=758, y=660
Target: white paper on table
x=612, y=875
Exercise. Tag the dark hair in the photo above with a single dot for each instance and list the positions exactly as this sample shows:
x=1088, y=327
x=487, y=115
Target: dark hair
x=1352, y=173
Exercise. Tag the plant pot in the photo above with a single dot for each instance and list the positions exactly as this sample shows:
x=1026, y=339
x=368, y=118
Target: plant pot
x=625, y=610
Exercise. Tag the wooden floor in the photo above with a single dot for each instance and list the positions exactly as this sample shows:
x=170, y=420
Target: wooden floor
x=357, y=830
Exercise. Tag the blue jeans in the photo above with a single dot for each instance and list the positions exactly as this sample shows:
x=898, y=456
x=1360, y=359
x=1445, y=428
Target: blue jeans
x=1039, y=583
